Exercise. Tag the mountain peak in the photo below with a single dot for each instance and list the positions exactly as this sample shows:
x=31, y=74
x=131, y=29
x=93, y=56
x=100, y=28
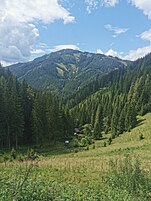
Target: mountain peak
x=66, y=69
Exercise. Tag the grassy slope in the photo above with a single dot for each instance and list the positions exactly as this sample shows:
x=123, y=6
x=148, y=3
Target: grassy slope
x=78, y=176
x=127, y=143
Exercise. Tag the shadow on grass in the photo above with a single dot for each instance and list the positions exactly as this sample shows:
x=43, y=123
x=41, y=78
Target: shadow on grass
x=56, y=149
x=140, y=122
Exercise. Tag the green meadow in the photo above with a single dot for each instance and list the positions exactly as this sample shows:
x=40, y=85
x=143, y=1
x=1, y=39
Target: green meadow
x=120, y=171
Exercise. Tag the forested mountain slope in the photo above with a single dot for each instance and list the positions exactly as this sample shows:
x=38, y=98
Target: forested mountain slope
x=117, y=100
x=109, y=103
x=66, y=71
x=28, y=116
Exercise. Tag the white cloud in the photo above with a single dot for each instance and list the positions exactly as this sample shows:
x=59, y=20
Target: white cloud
x=146, y=35
x=46, y=11
x=38, y=51
x=142, y=51
x=144, y=5
x=66, y=46
x=16, y=40
x=138, y=53
x=94, y=4
x=110, y=3
x=132, y=54
x=111, y=53
x=99, y=51
x=91, y=5
x=17, y=32
x=116, y=30
x=42, y=48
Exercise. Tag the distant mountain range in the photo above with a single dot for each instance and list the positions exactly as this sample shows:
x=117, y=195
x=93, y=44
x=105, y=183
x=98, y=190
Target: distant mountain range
x=67, y=70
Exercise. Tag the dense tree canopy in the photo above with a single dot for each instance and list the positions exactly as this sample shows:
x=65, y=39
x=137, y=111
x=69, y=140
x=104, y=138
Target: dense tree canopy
x=110, y=103
x=27, y=116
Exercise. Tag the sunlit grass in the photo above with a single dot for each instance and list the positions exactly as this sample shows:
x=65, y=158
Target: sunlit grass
x=63, y=174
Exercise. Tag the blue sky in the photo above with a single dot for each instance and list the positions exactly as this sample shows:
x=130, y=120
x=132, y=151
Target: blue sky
x=29, y=29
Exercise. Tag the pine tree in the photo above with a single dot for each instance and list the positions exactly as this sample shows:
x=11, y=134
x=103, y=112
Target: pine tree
x=98, y=125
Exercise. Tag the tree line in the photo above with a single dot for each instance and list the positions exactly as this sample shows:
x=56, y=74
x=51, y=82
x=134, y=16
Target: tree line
x=112, y=103
x=28, y=116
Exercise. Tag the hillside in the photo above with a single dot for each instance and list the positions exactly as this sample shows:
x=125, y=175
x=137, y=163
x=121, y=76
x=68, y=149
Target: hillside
x=28, y=116
x=109, y=157
x=100, y=173
x=66, y=70
x=116, y=101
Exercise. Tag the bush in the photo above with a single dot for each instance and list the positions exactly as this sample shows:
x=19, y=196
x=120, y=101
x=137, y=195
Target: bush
x=104, y=144
x=109, y=141
x=75, y=143
x=13, y=154
x=127, y=176
x=5, y=158
x=93, y=147
x=84, y=142
x=31, y=154
x=89, y=140
x=141, y=137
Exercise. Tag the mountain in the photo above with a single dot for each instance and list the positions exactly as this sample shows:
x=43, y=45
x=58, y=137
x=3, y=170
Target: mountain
x=116, y=101
x=108, y=101
x=66, y=70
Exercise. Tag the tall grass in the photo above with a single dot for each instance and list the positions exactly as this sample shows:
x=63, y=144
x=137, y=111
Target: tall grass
x=123, y=181
x=127, y=176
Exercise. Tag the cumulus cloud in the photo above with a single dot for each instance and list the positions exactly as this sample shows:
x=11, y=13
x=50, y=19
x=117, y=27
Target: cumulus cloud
x=116, y=30
x=132, y=55
x=42, y=48
x=15, y=40
x=146, y=35
x=17, y=31
x=94, y=4
x=142, y=51
x=46, y=11
x=66, y=46
x=138, y=53
x=144, y=5
x=99, y=51
x=110, y=52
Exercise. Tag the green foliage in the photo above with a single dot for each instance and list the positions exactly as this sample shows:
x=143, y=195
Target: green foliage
x=104, y=144
x=28, y=117
x=75, y=143
x=32, y=155
x=127, y=176
x=141, y=137
x=84, y=142
x=109, y=141
x=123, y=181
x=13, y=154
x=76, y=68
x=93, y=147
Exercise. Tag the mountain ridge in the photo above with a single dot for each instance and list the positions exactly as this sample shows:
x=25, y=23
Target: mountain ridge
x=66, y=69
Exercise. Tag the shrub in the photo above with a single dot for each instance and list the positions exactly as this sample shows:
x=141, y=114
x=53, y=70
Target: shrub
x=5, y=158
x=141, y=137
x=31, y=154
x=84, y=142
x=13, y=154
x=104, y=144
x=93, y=147
x=75, y=142
x=128, y=176
x=109, y=141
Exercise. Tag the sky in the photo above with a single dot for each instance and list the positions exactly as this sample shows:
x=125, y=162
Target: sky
x=29, y=29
